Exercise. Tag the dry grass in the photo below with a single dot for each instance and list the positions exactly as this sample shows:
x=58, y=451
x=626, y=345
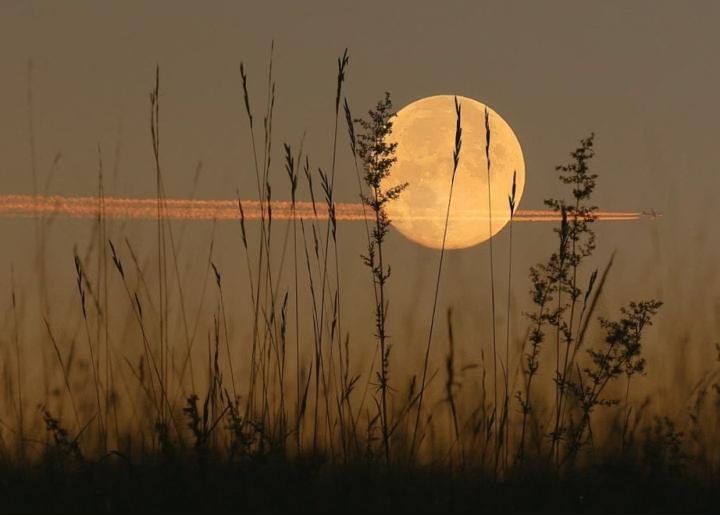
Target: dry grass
x=289, y=398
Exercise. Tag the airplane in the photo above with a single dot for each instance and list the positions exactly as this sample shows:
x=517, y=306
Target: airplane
x=651, y=214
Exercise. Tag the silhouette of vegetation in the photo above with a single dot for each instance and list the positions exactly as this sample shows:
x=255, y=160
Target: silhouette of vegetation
x=277, y=416
x=377, y=155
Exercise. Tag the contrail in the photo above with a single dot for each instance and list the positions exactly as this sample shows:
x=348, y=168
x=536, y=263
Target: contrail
x=182, y=209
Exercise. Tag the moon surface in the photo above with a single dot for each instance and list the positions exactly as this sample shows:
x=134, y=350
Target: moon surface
x=425, y=133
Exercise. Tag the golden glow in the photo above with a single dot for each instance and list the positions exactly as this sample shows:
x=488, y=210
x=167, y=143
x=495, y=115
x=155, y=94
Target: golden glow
x=425, y=133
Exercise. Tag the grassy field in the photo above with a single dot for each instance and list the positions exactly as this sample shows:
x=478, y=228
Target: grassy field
x=143, y=404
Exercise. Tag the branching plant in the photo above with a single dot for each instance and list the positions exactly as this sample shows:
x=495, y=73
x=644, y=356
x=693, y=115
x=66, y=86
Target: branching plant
x=377, y=154
x=621, y=355
x=580, y=245
x=556, y=292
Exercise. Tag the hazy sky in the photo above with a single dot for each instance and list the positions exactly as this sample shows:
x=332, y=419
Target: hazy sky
x=642, y=74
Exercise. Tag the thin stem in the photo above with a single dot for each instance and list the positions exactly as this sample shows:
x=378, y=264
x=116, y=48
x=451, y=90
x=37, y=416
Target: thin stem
x=426, y=361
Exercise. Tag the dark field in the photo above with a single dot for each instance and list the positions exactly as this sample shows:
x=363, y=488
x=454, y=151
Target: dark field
x=274, y=485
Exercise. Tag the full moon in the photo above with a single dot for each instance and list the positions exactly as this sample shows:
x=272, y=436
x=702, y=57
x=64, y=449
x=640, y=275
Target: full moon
x=425, y=133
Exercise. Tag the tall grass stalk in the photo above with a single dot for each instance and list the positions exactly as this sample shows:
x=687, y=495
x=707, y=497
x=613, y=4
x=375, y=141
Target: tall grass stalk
x=450, y=386
x=160, y=401
x=506, y=400
x=291, y=169
x=350, y=383
x=18, y=370
x=65, y=373
x=342, y=63
x=162, y=248
x=426, y=361
x=94, y=358
x=102, y=336
x=254, y=359
x=492, y=286
x=331, y=229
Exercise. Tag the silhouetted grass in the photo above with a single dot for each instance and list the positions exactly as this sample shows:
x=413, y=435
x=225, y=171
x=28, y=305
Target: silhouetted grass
x=160, y=423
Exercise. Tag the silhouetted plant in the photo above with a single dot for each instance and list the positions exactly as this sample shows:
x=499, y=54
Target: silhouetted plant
x=197, y=422
x=245, y=436
x=557, y=278
x=620, y=355
x=63, y=446
x=580, y=245
x=378, y=155
x=546, y=279
x=663, y=453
